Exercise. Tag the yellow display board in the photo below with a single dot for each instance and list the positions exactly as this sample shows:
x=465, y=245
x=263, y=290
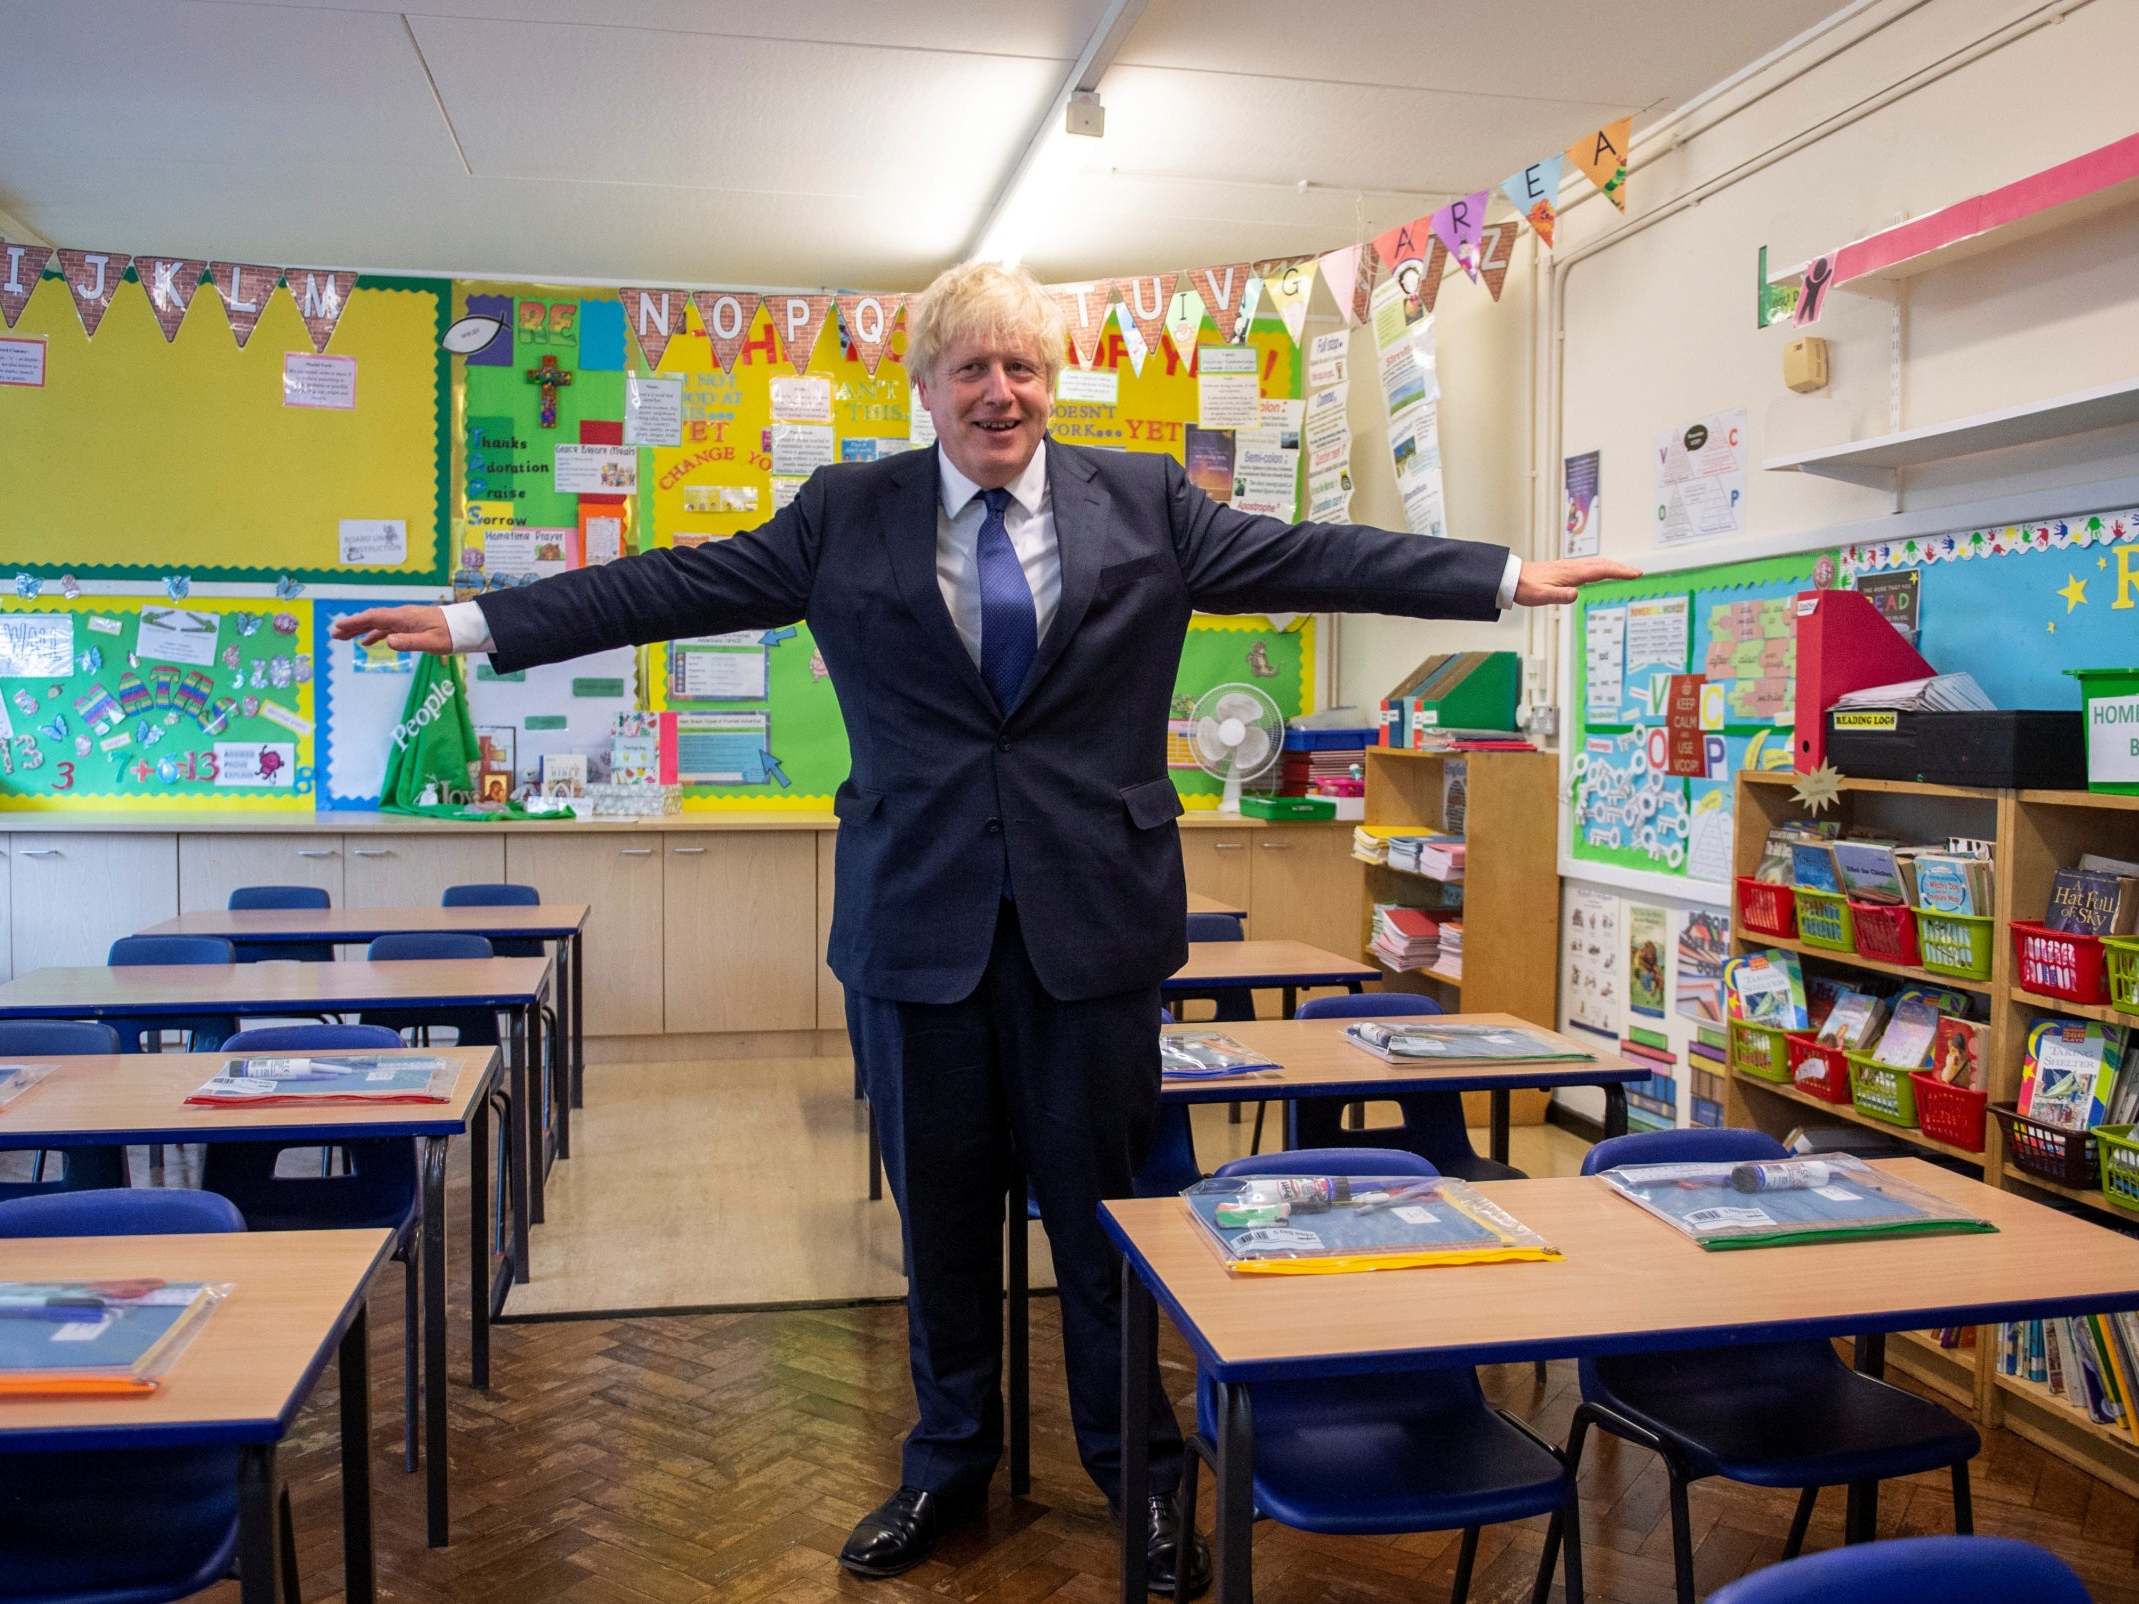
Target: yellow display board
x=136, y=459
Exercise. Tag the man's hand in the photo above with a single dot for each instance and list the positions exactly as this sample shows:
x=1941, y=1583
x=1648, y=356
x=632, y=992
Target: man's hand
x=1550, y=584
x=405, y=629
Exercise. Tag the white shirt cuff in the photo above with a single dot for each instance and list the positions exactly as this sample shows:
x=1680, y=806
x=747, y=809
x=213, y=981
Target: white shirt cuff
x=470, y=630
x=1505, y=600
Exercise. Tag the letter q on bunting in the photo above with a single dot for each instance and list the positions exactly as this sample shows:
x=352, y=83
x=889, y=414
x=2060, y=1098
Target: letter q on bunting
x=727, y=315
x=322, y=297
x=868, y=320
x=800, y=318
x=94, y=278
x=169, y=282
x=245, y=288
x=655, y=316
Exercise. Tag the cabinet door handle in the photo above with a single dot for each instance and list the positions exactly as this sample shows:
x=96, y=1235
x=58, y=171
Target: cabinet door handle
x=688, y=852
x=40, y=852
x=634, y=852
x=1227, y=846
x=315, y=852
x=1275, y=846
x=373, y=852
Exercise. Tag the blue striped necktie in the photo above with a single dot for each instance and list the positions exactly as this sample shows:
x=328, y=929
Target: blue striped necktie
x=1009, y=627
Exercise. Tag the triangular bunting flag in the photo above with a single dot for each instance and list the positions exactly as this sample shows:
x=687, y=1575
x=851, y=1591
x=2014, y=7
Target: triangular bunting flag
x=1225, y=296
x=1349, y=273
x=1457, y=226
x=322, y=296
x=654, y=316
x=1143, y=302
x=1084, y=309
x=1184, y=321
x=1403, y=251
x=799, y=318
x=1287, y=282
x=94, y=278
x=169, y=282
x=868, y=320
x=1496, y=252
x=1603, y=156
x=244, y=288
x=1133, y=343
x=727, y=315
x=20, y=268
x=1535, y=194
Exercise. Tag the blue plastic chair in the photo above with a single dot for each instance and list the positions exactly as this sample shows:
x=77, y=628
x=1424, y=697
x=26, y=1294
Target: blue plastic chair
x=311, y=952
x=80, y=1167
x=380, y=1189
x=1417, y=1452
x=1770, y=1414
x=1433, y=1128
x=141, y=1526
x=1953, y=1570
x=1230, y=1003
x=204, y=1032
x=476, y=1027
x=501, y=894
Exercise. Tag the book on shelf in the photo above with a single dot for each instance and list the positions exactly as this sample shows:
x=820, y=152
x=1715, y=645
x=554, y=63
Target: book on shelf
x=1939, y=693
x=96, y=1338
x=296, y=1082
x=1450, y=963
x=1776, y=849
x=1206, y=1055
x=1871, y=870
x=2068, y=1076
x=1957, y=1053
x=1852, y=1019
x=1911, y=1033
x=2092, y=902
x=1766, y=988
x=2088, y=1363
x=1812, y=866
x=1950, y=882
x=1405, y=938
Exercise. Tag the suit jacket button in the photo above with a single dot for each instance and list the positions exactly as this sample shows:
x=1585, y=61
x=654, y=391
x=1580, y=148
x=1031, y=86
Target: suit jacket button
x=1003, y=745
x=995, y=827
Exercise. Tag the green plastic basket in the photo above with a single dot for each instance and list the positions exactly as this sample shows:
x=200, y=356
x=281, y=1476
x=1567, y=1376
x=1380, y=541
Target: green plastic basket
x=1760, y=1051
x=1881, y=1091
x=1954, y=943
x=1824, y=920
x=2123, y=955
x=2120, y=1164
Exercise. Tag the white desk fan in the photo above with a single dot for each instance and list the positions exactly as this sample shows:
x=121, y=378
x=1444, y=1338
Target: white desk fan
x=1236, y=733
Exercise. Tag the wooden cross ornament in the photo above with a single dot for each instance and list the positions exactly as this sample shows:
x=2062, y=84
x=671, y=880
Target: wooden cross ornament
x=552, y=378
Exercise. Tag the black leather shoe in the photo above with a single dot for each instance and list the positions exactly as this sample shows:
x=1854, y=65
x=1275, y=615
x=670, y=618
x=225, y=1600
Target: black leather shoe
x=1162, y=1537
x=899, y=1533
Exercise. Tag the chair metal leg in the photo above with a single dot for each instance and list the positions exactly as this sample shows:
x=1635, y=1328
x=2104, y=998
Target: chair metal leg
x=1191, y=1468
x=1537, y=1372
x=1255, y=1142
x=1466, y=1557
x=1794, y=1544
x=1964, y=1503
x=411, y=1361
x=1235, y=1475
x=1574, y=1548
x=287, y=1545
x=1681, y=1536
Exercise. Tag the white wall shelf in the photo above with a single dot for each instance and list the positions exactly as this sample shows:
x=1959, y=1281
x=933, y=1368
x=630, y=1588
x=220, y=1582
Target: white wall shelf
x=1876, y=461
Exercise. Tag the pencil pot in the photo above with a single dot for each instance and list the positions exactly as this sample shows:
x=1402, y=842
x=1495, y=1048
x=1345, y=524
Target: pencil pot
x=1954, y=944
x=1950, y=1114
x=2058, y=963
x=2069, y=1158
x=1823, y=1071
x=1761, y=1051
x=1823, y=920
x=1766, y=909
x=2120, y=1165
x=1886, y=931
x=2121, y=954
x=1880, y=1090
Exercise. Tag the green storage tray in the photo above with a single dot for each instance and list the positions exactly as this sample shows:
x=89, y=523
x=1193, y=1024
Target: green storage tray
x=1760, y=1051
x=1824, y=920
x=1880, y=1091
x=1956, y=944
x=2123, y=955
x=2120, y=1164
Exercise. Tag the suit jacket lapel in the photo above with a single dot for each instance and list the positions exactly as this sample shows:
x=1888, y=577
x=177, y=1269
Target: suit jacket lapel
x=908, y=516
x=1079, y=529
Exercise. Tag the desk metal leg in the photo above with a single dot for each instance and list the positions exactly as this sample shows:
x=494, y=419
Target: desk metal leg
x=876, y=1160
x=1861, y=1523
x=1234, y=1537
x=1017, y=1231
x=355, y=1375
x=480, y=1256
x=1290, y=996
x=259, y=1576
x=433, y=1225
x=579, y=1020
x=516, y=1146
x=1497, y=1145
x=539, y=1151
x=1615, y=1110
x=1139, y=1366
x=561, y=1062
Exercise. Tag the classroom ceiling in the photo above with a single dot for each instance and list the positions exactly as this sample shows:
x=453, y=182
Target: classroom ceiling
x=795, y=142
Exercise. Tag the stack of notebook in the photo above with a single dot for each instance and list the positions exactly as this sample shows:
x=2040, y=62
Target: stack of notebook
x=1451, y=959
x=1405, y=938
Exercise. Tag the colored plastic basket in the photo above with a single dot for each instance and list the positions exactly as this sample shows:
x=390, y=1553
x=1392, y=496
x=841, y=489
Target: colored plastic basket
x=1766, y=909
x=2070, y=1158
x=2120, y=1165
x=2058, y=963
x=1824, y=920
x=1881, y=1091
x=2122, y=954
x=1823, y=1071
x=1951, y=1114
x=1886, y=931
x=1954, y=943
x=1761, y=1051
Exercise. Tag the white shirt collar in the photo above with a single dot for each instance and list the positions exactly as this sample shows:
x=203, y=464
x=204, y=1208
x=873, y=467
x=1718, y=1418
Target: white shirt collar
x=1026, y=489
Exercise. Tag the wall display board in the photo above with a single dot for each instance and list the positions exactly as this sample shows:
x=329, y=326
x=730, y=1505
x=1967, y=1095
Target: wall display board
x=109, y=701
x=134, y=457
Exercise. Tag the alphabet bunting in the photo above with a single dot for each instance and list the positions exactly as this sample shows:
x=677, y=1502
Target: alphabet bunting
x=245, y=288
x=322, y=296
x=1143, y=302
x=94, y=278
x=20, y=268
x=800, y=319
x=1084, y=308
x=868, y=320
x=1535, y=194
x=1496, y=253
x=1457, y=225
x=169, y=282
x=1603, y=157
x=1349, y=273
x=727, y=315
x=656, y=317
x=1288, y=281
x=1225, y=294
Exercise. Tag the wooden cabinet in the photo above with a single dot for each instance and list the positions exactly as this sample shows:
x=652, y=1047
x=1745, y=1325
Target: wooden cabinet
x=1216, y=861
x=1305, y=885
x=412, y=870
x=831, y=995
x=211, y=866
x=619, y=878
x=72, y=895
x=740, y=931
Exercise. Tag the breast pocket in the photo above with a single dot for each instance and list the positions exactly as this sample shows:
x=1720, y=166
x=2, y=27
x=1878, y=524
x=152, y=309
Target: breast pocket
x=1115, y=575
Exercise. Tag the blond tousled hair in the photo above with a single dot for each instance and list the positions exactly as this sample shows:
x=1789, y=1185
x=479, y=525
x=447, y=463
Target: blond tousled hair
x=986, y=301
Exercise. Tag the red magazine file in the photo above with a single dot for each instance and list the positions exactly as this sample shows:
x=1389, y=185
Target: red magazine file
x=1843, y=644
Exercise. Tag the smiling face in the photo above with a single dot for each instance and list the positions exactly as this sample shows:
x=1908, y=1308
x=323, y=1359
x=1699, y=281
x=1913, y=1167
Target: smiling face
x=989, y=398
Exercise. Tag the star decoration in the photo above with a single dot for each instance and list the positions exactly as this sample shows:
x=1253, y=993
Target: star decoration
x=1819, y=790
x=2052, y=626
x=2074, y=591
x=2101, y=562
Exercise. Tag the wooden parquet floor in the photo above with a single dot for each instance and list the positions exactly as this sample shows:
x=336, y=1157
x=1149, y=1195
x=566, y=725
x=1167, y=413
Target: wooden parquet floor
x=725, y=1456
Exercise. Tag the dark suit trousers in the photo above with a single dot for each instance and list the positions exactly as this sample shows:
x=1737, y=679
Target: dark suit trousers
x=1072, y=1089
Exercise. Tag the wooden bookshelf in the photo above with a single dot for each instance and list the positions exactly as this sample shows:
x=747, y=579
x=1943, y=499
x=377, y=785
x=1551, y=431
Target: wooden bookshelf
x=1855, y=960
x=1838, y=1114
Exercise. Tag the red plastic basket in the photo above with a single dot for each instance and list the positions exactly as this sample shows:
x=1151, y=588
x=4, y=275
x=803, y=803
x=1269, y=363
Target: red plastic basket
x=1767, y=909
x=1887, y=931
x=1952, y=1114
x=2059, y=963
x=1822, y=1071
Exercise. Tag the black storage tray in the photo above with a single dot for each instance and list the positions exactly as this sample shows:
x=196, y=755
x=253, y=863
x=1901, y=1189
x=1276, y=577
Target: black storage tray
x=2037, y=749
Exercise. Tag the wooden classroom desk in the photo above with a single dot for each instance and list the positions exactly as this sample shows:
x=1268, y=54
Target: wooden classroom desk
x=1199, y=903
x=1287, y=965
x=513, y=986
x=1628, y=1283
x=132, y=1098
x=296, y=1296
x=564, y=923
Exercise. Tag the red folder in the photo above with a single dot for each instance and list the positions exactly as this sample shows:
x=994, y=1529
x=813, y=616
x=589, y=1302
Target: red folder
x=1843, y=644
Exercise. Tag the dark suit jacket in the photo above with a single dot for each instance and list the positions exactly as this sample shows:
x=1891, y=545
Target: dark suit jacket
x=1065, y=796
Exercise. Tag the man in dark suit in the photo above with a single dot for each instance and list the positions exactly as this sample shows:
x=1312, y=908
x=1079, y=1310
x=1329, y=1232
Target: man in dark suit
x=1002, y=618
